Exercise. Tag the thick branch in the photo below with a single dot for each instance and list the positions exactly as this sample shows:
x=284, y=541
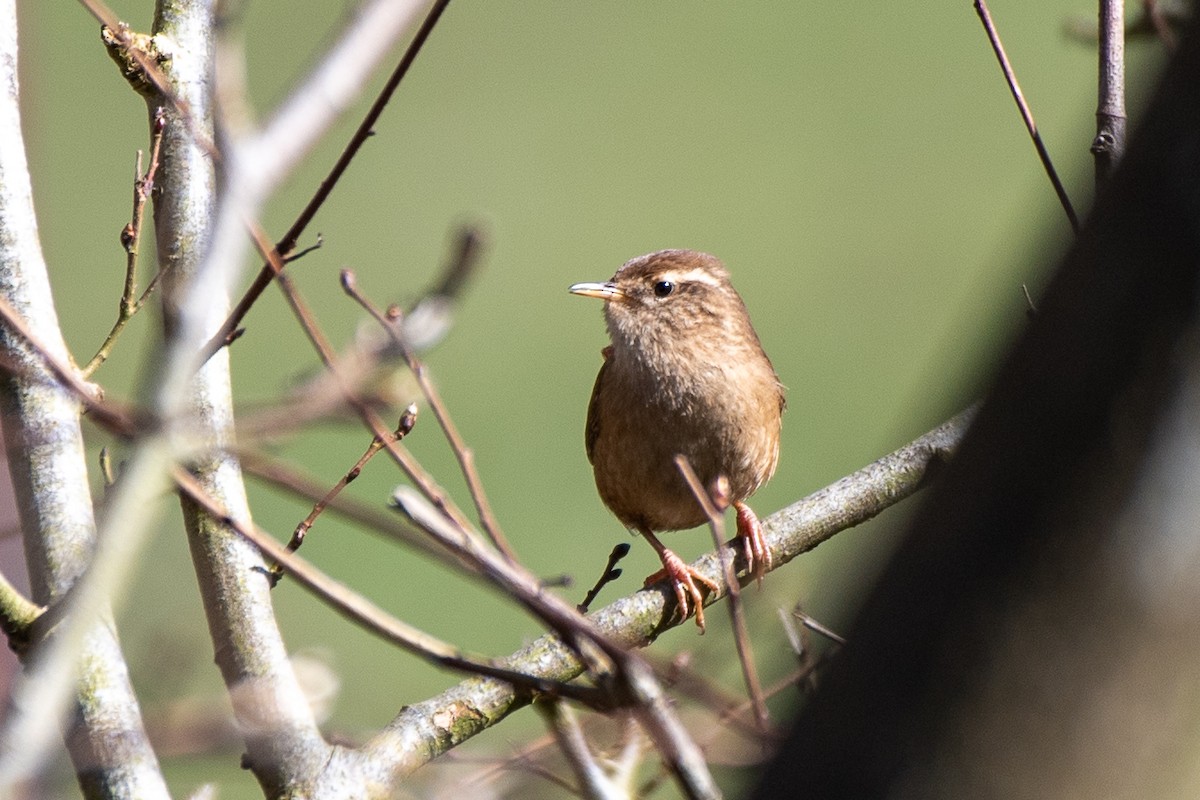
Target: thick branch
x=46, y=460
x=284, y=746
x=425, y=730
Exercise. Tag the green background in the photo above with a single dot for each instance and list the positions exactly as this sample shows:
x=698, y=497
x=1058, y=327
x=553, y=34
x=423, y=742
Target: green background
x=860, y=167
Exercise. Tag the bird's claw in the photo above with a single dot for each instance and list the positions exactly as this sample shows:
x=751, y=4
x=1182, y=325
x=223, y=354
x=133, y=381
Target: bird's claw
x=683, y=580
x=754, y=542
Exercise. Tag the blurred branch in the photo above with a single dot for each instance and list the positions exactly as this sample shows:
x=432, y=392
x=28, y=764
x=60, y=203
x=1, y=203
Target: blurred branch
x=430, y=318
x=594, y=781
x=17, y=614
x=1047, y=582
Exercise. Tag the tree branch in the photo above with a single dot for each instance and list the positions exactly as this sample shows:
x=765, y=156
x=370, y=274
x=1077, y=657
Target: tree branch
x=107, y=740
x=1109, y=144
x=284, y=744
x=425, y=730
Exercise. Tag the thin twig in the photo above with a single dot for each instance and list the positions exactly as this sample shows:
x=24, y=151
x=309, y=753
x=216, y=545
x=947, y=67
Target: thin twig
x=465, y=456
x=363, y=612
x=814, y=625
x=1030, y=309
x=986, y=18
x=374, y=422
x=364, y=132
x=407, y=420
x=737, y=614
x=299, y=254
x=611, y=573
x=131, y=239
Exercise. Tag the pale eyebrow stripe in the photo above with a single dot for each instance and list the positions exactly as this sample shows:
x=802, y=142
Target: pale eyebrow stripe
x=690, y=275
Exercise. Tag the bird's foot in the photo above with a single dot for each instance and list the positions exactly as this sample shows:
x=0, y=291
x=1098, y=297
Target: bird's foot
x=754, y=542
x=683, y=581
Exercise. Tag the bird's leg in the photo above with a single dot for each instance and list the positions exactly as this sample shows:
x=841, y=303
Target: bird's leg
x=683, y=579
x=754, y=543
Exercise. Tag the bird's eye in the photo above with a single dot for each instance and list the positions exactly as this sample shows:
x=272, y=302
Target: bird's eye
x=663, y=288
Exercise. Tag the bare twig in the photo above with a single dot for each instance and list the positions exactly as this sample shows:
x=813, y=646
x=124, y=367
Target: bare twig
x=737, y=615
x=299, y=254
x=986, y=18
x=286, y=478
x=632, y=682
x=407, y=420
x=1030, y=308
x=815, y=625
x=370, y=417
x=363, y=612
x=465, y=456
x=361, y=135
x=611, y=573
x=131, y=239
x=636, y=620
x=1109, y=144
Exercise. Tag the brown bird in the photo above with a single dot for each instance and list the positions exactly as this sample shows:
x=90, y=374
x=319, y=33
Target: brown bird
x=685, y=375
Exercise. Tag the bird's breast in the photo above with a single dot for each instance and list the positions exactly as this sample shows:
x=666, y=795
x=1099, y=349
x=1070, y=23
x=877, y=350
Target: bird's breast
x=723, y=415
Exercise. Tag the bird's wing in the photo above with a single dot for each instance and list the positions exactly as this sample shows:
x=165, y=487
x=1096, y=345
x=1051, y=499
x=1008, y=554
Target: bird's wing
x=592, y=430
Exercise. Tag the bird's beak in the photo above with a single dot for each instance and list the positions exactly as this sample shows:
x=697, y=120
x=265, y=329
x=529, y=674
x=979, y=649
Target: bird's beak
x=604, y=291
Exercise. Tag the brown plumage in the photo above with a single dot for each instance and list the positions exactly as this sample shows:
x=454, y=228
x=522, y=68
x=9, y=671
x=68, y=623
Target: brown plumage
x=685, y=375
